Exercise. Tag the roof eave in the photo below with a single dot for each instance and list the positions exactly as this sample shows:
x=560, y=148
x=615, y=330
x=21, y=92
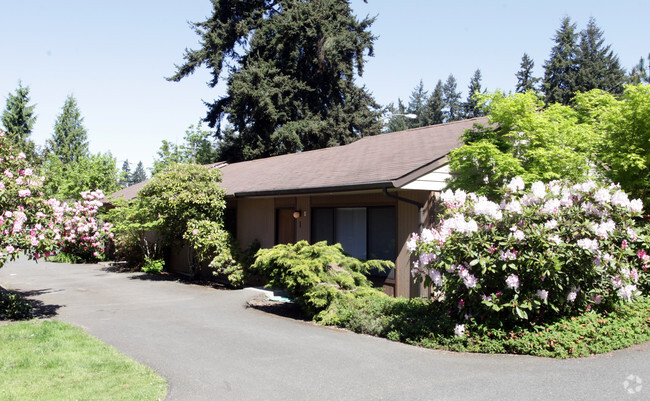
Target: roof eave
x=313, y=190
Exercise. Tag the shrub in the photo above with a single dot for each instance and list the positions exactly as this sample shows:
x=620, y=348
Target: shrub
x=13, y=306
x=153, y=266
x=556, y=250
x=316, y=276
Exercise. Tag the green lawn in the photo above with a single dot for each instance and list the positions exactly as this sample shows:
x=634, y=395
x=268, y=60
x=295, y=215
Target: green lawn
x=48, y=360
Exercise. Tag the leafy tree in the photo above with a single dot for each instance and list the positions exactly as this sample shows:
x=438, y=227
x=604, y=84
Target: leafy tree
x=560, y=70
x=598, y=66
x=197, y=148
x=66, y=181
x=180, y=194
x=18, y=119
x=125, y=179
x=451, y=98
x=640, y=74
x=139, y=174
x=525, y=79
x=70, y=140
x=436, y=104
x=292, y=70
x=470, y=107
x=524, y=139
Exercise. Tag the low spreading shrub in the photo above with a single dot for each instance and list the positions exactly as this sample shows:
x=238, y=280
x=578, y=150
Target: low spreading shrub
x=14, y=306
x=153, y=266
x=317, y=276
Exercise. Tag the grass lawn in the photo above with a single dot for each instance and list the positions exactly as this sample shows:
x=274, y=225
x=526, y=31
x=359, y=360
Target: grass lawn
x=48, y=360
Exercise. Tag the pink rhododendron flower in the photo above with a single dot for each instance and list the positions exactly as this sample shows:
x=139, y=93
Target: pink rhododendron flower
x=516, y=184
x=436, y=277
x=538, y=189
x=459, y=330
x=512, y=281
x=23, y=193
x=626, y=292
x=571, y=297
x=542, y=294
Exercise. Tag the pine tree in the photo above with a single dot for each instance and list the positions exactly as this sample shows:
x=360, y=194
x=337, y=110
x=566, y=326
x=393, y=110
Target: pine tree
x=18, y=120
x=125, y=179
x=561, y=68
x=640, y=73
x=525, y=79
x=598, y=66
x=70, y=140
x=470, y=106
x=451, y=97
x=292, y=75
x=396, y=123
x=139, y=174
x=436, y=104
x=418, y=106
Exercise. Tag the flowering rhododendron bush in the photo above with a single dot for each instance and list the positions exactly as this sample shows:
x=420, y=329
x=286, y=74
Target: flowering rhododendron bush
x=557, y=249
x=38, y=227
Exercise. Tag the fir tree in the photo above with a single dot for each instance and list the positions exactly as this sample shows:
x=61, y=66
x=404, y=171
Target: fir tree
x=418, y=106
x=598, y=66
x=18, y=120
x=139, y=174
x=470, y=106
x=451, y=97
x=396, y=123
x=525, y=79
x=436, y=104
x=560, y=69
x=125, y=179
x=640, y=74
x=70, y=140
x=292, y=75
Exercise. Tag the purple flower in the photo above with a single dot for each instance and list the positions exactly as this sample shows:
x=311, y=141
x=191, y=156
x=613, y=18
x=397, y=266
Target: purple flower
x=512, y=281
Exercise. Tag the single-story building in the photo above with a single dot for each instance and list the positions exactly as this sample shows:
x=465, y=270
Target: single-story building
x=369, y=195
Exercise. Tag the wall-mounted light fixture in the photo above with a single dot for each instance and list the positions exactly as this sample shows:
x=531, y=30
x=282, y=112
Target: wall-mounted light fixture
x=296, y=214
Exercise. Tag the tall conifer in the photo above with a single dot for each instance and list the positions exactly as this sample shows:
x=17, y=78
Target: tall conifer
x=561, y=68
x=525, y=79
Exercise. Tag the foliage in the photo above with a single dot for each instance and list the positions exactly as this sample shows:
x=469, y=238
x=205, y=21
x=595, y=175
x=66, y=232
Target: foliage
x=525, y=79
x=422, y=322
x=556, y=250
x=153, y=266
x=139, y=174
x=181, y=194
x=66, y=181
x=292, y=75
x=451, y=98
x=49, y=360
x=471, y=107
x=69, y=143
x=523, y=139
x=640, y=73
x=125, y=174
x=316, y=276
x=579, y=66
x=134, y=225
x=18, y=119
x=13, y=306
x=197, y=148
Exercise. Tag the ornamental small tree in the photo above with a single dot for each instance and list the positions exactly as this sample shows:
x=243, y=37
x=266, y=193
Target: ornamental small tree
x=554, y=250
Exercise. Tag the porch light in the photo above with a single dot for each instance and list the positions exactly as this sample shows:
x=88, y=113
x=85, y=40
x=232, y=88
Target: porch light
x=296, y=214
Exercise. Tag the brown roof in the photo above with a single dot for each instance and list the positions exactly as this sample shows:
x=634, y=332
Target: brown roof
x=386, y=160
x=390, y=159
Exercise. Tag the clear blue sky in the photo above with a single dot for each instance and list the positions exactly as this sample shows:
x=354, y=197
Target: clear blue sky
x=113, y=56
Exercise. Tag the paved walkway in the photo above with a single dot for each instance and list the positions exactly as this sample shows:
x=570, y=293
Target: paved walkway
x=209, y=346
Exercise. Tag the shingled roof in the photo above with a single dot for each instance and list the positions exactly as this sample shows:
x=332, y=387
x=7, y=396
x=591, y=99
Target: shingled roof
x=386, y=160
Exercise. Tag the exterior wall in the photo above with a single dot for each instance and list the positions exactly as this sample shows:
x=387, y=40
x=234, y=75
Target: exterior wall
x=256, y=220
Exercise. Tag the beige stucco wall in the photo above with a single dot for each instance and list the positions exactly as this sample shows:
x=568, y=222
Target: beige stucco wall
x=256, y=220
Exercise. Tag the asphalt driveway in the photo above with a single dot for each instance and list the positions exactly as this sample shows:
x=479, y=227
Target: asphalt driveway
x=210, y=346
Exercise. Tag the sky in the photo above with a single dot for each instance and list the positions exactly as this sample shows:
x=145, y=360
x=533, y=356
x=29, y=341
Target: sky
x=113, y=57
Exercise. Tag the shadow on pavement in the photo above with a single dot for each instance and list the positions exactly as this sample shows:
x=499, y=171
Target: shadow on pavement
x=41, y=310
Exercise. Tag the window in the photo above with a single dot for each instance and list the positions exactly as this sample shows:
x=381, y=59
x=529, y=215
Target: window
x=363, y=232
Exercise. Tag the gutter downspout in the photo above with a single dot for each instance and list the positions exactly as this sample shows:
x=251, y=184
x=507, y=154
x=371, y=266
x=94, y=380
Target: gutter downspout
x=412, y=202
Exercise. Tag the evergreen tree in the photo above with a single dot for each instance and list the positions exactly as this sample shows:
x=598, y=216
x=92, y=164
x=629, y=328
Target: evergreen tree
x=598, y=66
x=139, y=174
x=640, y=74
x=525, y=79
x=560, y=69
x=436, y=104
x=451, y=97
x=396, y=123
x=418, y=106
x=125, y=179
x=18, y=119
x=292, y=75
x=70, y=140
x=470, y=106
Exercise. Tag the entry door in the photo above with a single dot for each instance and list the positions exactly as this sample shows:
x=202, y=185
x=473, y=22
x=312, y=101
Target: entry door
x=285, y=227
